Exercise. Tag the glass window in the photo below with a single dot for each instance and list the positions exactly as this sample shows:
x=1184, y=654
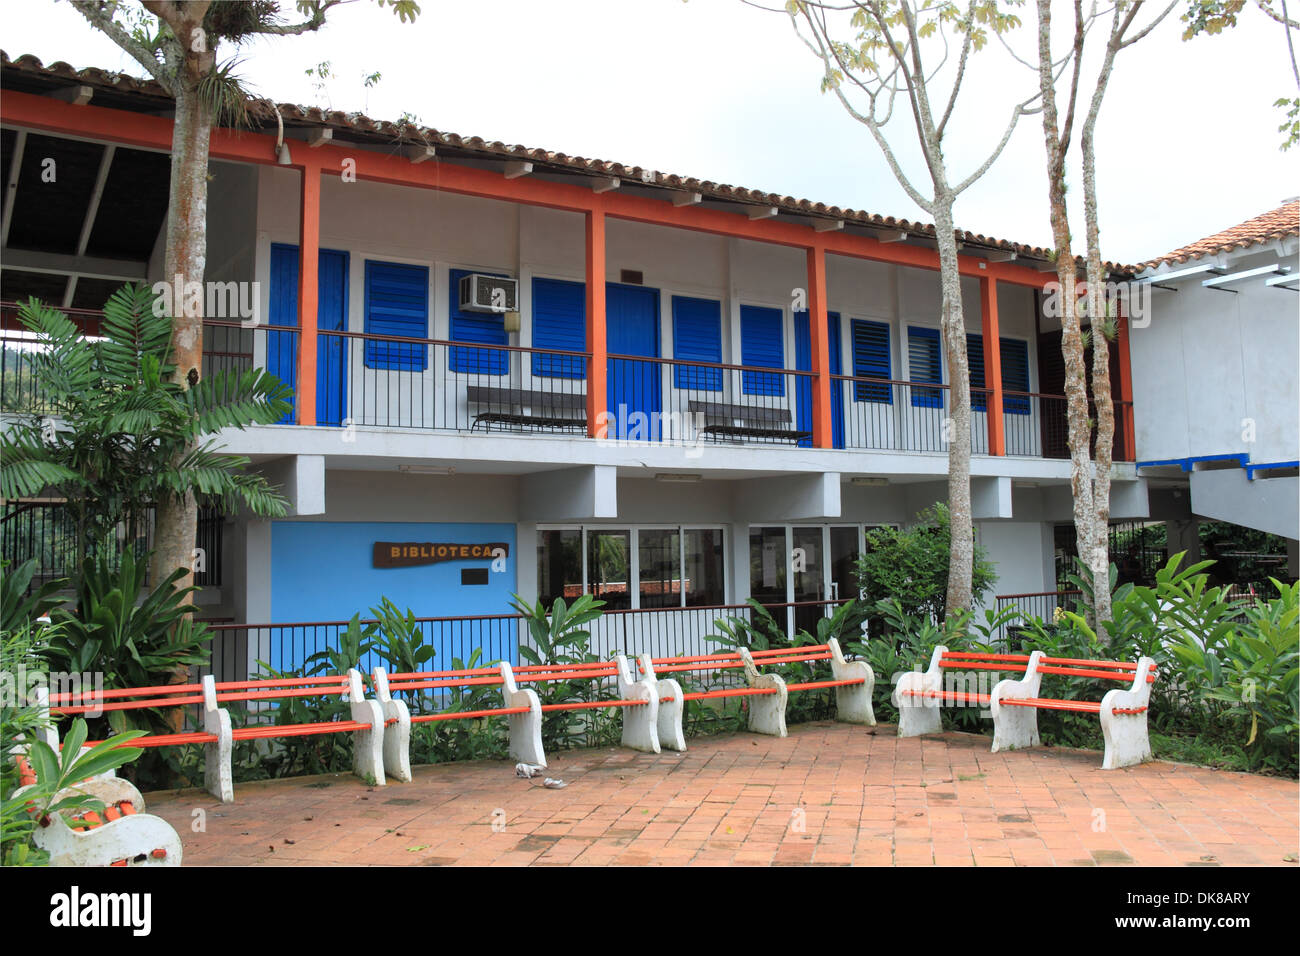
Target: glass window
x=608, y=568
x=704, y=584
x=660, y=567
x=767, y=561
x=559, y=565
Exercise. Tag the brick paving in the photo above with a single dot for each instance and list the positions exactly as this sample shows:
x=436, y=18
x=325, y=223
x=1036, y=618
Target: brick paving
x=828, y=794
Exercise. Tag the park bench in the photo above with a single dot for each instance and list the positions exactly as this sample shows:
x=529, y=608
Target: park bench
x=522, y=705
x=1014, y=704
x=119, y=835
x=218, y=737
x=853, y=681
x=519, y=406
x=522, y=708
x=724, y=420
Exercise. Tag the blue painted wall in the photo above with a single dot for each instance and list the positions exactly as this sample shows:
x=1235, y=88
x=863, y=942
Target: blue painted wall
x=323, y=571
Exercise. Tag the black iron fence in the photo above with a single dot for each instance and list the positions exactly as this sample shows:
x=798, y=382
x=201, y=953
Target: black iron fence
x=249, y=651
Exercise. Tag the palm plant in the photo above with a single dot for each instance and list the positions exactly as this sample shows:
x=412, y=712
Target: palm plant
x=127, y=437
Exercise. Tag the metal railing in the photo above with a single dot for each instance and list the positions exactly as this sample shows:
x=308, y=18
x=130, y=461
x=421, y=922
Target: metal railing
x=403, y=382
x=246, y=651
x=1037, y=604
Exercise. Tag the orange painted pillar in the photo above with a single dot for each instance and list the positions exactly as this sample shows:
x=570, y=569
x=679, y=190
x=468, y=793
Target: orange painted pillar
x=993, y=364
x=1124, y=386
x=823, y=434
x=597, y=370
x=308, y=291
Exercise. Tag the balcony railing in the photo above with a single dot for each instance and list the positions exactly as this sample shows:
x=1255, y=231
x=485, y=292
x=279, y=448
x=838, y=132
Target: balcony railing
x=398, y=382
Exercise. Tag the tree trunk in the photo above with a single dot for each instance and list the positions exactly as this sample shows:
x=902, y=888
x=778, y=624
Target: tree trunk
x=953, y=327
x=1078, y=427
x=176, y=521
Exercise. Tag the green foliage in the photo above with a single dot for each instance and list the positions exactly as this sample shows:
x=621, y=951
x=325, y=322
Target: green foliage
x=55, y=790
x=559, y=636
x=910, y=565
x=401, y=642
x=128, y=436
x=18, y=608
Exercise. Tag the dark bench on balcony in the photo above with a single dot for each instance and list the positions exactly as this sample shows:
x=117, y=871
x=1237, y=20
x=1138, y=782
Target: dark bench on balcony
x=747, y=421
x=521, y=406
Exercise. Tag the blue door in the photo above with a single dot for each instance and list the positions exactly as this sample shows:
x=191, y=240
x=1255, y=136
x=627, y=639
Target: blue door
x=803, y=363
x=633, y=391
x=331, y=316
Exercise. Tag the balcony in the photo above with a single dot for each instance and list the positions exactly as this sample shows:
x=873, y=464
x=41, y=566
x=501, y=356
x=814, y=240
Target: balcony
x=424, y=384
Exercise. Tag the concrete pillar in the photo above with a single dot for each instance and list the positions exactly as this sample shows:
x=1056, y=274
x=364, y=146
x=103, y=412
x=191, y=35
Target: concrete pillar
x=1184, y=535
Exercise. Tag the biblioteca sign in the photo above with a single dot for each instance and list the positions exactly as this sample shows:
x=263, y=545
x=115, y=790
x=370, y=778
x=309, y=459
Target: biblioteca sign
x=407, y=554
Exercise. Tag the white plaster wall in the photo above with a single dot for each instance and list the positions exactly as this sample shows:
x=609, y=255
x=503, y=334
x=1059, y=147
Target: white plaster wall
x=1210, y=359
x=1017, y=551
x=443, y=231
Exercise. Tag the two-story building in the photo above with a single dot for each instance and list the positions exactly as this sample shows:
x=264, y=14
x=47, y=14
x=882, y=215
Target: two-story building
x=518, y=371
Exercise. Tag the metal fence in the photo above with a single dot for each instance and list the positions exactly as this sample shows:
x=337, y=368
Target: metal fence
x=1036, y=604
x=247, y=651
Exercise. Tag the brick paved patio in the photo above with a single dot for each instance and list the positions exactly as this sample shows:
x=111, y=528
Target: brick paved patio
x=827, y=794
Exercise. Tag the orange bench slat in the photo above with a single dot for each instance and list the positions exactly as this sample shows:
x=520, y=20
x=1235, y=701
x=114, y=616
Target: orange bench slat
x=1043, y=703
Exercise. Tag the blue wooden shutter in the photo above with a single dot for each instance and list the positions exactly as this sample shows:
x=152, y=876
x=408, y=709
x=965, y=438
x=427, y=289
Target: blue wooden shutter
x=871, y=360
x=762, y=341
x=559, y=322
x=397, y=303
x=925, y=366
x=979, y=401
x=1015, y=375
x=697, y=336
x=487, y=328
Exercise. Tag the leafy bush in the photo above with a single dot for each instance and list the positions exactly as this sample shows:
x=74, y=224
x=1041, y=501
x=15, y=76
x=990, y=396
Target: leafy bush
x=910, y=566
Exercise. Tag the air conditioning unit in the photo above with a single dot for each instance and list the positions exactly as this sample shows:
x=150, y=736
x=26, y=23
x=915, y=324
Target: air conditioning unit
x=483, y=293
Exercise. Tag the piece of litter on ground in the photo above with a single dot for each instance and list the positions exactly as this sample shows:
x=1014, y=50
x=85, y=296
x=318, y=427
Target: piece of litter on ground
x=551, y=783
x=527, y=770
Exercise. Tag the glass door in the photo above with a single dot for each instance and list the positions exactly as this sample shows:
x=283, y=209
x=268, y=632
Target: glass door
x=609, y=568
x=808, y=572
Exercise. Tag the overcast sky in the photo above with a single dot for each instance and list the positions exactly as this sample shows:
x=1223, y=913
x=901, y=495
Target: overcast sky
x=1187, y=144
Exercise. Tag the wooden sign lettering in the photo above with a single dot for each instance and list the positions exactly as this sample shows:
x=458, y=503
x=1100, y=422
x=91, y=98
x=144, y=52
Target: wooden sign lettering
x=409, y=554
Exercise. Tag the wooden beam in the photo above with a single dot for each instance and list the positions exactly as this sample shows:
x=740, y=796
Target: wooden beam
x=11, y=187
x=319, y=137
x=1001, y=255
x=762, y=212
x=993, y=365
x=597, y=370
x=605, y=184
x=515, y=169
x=828, y=225
x=92, y=208
x=27, y=111
x=420, y=154
x=57, y=263
x=818, y=336
x=76, y=95
x=888, y=235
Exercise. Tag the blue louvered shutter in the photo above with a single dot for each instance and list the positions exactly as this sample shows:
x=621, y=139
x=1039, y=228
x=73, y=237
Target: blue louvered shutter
x=762, y=343
x=979, y=400
x=925, y=366
x=1015, y=375
x=397, y=303
x=697, y=337
x=486, y=328
x=871, y=360
x=559, y=322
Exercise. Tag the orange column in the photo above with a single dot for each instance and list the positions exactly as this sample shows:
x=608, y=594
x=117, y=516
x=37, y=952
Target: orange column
x=823, y=435
x=308, y=290
x=598, y=367
x=1125, y=387
x=993, y=364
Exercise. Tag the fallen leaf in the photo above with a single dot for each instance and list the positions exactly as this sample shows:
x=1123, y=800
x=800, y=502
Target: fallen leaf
x=417, y=849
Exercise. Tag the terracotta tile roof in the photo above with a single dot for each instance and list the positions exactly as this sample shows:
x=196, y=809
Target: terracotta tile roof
x=127, y=92
x=1278, y=223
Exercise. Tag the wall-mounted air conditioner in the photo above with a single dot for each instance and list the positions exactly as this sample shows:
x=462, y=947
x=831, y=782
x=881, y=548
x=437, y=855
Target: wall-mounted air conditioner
x=483, y=293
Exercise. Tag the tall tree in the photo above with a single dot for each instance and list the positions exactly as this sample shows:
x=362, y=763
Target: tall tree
x=886, y=56
x=176, y=41
x=1213, y=16
x=1089, y=479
